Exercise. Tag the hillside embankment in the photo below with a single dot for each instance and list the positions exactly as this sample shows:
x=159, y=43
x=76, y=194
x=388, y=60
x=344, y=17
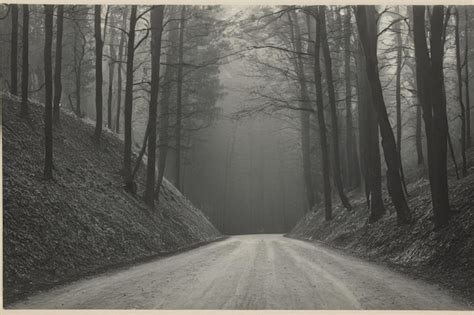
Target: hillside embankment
x=83, y=221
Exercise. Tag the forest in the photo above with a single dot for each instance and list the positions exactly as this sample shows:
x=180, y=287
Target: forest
x=364, y=87
x=269, y=119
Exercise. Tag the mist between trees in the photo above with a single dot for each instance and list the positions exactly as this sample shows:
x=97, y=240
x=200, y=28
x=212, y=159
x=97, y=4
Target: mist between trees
x=257, y=114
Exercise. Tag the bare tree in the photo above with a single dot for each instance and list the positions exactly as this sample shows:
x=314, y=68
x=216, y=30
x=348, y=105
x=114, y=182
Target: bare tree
x=98, y=72
x=304, y=113
x=168, y=78
x=325, y=165
x=58, y=62
x=351, y=152
x=366, y=24
x=48, y=77
x=127, y=162
x=119, y=74
x=431, y=85
x=398, y=93
x=112, y=61
x=79, y=42
x=466, y=77
x=333, y=111
x=460, y=94
x=179, y=105
x=369, y=143
x=156, y=32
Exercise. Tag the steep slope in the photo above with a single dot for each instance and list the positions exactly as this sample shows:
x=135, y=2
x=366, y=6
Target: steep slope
x=444, y=256
x=83, y=221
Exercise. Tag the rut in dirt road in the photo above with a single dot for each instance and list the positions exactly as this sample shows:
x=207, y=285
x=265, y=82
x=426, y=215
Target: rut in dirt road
x=249, y=272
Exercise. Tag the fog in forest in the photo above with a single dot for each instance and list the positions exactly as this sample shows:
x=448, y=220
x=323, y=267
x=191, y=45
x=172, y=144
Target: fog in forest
x=237, y=157
x=246, y=83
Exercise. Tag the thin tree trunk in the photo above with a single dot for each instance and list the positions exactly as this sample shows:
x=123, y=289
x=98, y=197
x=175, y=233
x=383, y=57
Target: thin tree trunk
x=98, y=73
x=440, y=121
x=351, y=152
x=325, y=165
x=14, y=51
x=460, y=94
x=58, y=62
x=332, y=103
x=304, y=113
x=168, y=79
x=179, y=99
x=398, y=96
x=48, y=77
x=127, y=162
x=366, y=24
x=77, y=70
x=419, y=106
x=24, y=112
x=156, y=31
x=112, y=62
x=466, y=78
x=119, y=75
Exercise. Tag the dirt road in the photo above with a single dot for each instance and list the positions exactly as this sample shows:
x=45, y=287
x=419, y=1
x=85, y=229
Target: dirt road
x=249, y=272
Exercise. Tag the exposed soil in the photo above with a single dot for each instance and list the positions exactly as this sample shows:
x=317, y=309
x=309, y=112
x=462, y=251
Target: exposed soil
x=444, y=256
x=83, y=221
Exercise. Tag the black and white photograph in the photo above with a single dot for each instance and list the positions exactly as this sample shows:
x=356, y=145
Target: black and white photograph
x=246, y=156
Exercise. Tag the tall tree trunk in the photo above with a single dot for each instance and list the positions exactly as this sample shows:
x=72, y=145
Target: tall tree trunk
x=14, y=51
x=398, y=97
x=98, y=73
x=127, y=161
x=325, y=165
x=119, y=75
x=466, y=78
x=179, y=94
x=304, y=112
x=332, y=103
x=430, y=85
x=351, y=152
x=460, y=94
x=112, y=62
x=440, y=133
x=25, y=63
x=58, y=62
x=156, y=31
x=77, y=69
x=366, y=25
x=412, y=65
x=48, y=80
x=168, y=79
x=369, y=144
